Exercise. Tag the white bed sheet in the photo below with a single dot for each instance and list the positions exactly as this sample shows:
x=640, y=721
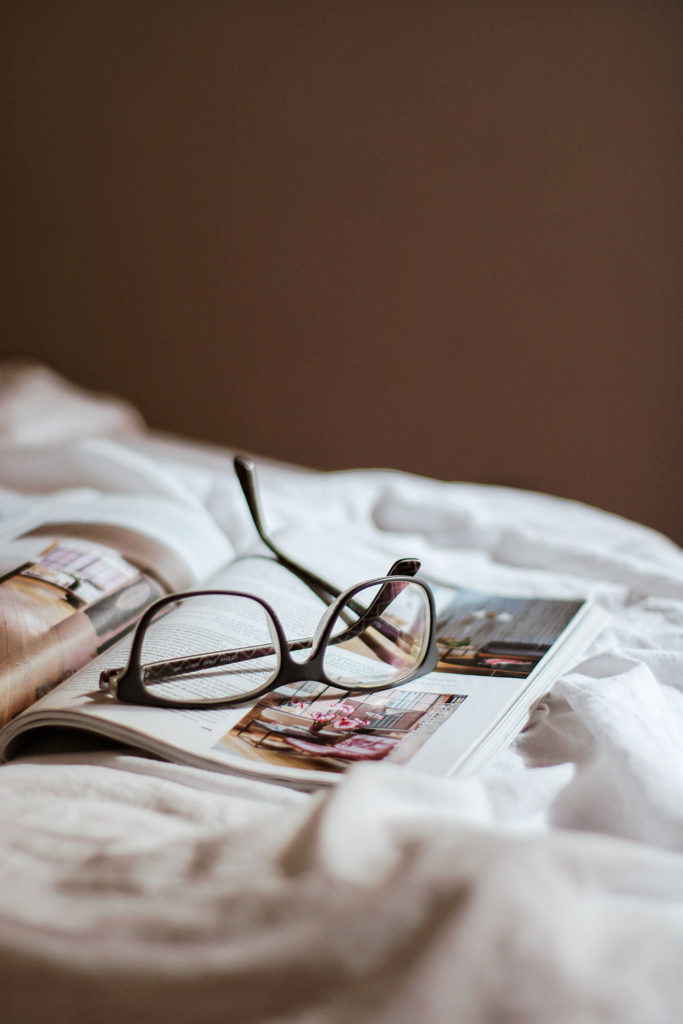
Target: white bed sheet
x=548, y=888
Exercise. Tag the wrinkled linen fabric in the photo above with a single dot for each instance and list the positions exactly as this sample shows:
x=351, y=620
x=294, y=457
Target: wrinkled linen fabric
x=546, y=888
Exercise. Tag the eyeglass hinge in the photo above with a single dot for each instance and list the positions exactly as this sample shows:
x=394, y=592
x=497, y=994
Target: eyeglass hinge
x=109, y=678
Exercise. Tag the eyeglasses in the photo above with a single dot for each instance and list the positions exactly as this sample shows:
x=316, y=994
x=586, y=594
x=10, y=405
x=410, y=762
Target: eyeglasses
x=218, y=648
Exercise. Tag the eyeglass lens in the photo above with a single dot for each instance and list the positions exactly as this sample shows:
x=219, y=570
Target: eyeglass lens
x=213, y=647
x=384, y=645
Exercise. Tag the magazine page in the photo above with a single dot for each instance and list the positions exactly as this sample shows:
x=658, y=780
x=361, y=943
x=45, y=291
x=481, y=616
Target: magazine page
x=179, y=543
x=497, y=655
x=69, y=589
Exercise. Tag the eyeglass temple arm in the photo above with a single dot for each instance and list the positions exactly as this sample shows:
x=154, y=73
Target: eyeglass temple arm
x=246, y=474
x=372, y=616
x=162, y=671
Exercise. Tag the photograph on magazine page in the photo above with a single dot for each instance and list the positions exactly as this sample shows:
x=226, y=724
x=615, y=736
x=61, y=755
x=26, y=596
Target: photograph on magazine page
x=319, y=727
x=494, y=635
x=60, y=607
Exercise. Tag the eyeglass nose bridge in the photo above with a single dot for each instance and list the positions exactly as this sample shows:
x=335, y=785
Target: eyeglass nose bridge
x=322, y=628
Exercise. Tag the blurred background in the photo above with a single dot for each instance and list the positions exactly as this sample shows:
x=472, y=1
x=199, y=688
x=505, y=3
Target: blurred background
x=443, y=237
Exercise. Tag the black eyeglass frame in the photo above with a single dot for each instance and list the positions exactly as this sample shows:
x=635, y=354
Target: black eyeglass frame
x=129, y=683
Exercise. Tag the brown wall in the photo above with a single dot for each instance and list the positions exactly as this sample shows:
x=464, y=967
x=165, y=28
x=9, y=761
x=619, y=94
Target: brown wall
x=438, y=236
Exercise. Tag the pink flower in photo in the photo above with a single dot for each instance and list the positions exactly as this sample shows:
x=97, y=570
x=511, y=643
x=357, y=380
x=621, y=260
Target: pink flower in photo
x=344, y=722
x=324, y=716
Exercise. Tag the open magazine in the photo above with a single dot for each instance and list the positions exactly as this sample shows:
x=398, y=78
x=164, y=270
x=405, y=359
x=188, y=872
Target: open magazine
x=71, y=590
